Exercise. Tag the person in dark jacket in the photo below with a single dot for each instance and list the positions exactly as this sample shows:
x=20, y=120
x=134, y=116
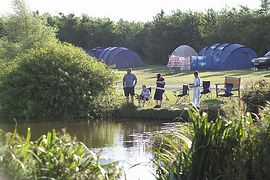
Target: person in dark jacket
x=160, y=89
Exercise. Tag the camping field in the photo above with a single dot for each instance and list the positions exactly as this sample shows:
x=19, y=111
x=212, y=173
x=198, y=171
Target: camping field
x=175, y=81
x=147, y=76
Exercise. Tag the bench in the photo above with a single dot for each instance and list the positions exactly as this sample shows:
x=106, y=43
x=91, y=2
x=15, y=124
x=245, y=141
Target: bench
x=220, y=87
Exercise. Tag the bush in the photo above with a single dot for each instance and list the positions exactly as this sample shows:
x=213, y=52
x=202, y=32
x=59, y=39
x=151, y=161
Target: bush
x=59, y=81
x=52, y=156
x=255, y=95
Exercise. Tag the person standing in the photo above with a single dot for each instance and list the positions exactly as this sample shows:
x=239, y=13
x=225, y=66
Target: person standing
x=160, y=89
x=196, y=90
x=129, y=83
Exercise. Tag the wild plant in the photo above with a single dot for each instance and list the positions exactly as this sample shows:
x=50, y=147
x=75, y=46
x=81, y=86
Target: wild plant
x=231, y=147
x=52, y=156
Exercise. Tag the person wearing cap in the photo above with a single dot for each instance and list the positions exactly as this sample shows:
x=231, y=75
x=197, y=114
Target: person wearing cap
x=196, y=90
x=129, y=83
x=160, y=89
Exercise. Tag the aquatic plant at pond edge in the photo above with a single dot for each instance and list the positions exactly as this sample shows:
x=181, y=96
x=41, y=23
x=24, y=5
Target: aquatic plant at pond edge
x=228, y=148
x=52, y=156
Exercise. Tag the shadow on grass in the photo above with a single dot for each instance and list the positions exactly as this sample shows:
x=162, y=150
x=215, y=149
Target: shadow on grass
x=213, y=103
x=268, y=75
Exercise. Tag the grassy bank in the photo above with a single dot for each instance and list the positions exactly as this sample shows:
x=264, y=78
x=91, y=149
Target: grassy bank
x=169, y=99
x=130, y=111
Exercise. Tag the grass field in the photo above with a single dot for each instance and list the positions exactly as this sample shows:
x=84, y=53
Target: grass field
x=169, y=100
x=147, y=76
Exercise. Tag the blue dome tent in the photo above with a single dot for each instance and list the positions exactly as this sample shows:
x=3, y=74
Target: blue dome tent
x=119, y=57
x=202, y=51
x=223, y=57
x=95, y=52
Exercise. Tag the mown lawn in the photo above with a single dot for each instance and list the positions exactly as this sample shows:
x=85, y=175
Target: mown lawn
x=169, y=100
x=147, y=75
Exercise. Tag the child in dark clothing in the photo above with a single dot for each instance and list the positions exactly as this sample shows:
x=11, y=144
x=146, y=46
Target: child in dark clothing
x=160, y=89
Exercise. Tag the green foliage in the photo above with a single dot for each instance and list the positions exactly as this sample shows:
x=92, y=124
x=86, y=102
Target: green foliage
x=131, y=111
x=153, y=40
x=171, y=149
x=265, y=7
x=52, y=156
x=256, y=95
x=229, y=148
x=261, y=147
x=156, y=39
x=84, y=31
x=22, y=31
x=57, y=81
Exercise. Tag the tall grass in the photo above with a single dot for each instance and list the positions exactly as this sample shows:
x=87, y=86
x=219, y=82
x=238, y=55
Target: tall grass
x=229, y=148
x=52, y=156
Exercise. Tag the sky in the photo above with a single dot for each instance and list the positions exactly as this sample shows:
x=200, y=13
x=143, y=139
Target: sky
x=131, y=10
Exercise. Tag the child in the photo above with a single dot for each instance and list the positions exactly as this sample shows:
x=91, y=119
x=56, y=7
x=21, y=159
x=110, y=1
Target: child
x=196, y=90
x=159, y=90
x=145, y=95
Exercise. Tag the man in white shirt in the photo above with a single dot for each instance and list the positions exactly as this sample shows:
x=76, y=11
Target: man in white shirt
x=196, y=90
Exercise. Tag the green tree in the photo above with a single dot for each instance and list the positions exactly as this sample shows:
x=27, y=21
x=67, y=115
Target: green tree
x=129, y=34
x=1, y=27
x=156, y=39
x=85, y=32
x=265, y=7
x=166, y=33
x=23, y=30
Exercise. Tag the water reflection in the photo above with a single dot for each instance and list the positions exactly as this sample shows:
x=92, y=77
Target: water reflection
x=123, y=140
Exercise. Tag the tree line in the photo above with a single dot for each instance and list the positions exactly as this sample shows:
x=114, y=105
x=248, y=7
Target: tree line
x=156, y=39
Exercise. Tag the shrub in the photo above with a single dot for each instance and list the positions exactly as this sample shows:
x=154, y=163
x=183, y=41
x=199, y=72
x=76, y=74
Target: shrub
x=59, y=81
x=255, y=95
x=52, y=156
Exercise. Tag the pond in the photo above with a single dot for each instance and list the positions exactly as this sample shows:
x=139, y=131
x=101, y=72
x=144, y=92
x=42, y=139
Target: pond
x=122, y=140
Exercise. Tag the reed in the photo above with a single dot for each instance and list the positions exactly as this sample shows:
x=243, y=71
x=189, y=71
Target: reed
x=52, y=156
x=231, y=147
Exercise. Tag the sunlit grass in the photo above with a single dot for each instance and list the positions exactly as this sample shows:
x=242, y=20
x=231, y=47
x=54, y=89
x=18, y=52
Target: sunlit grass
x=169, y=100
x=174, y=82
x=147, y=75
